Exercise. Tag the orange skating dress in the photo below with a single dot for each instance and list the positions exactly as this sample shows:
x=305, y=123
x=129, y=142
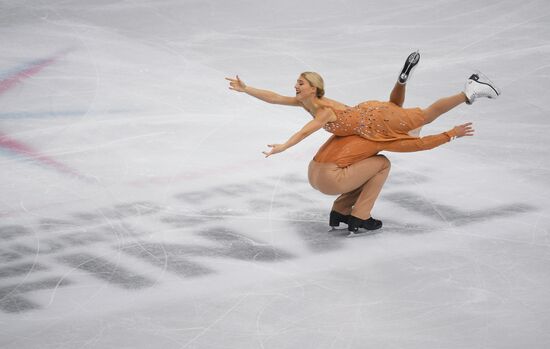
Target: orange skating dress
x=384, y=126
x=376, y=121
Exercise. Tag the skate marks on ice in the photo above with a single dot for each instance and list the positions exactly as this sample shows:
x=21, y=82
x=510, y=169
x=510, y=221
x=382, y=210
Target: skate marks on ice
x=109, y=271
x=441, y=212
x=252, y=201
x=43, y=256
x=12, y=300
x=105, y=244
x=45, y=252
x=12, y=231
x=312, y=228
x=175, y=257
x=53, y=246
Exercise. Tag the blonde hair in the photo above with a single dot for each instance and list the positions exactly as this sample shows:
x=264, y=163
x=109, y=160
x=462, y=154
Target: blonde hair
x=316, y=81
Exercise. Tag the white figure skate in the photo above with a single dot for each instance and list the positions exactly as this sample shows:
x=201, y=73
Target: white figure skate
x=479, y=86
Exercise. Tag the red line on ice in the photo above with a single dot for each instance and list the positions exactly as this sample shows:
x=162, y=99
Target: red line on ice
x=21, y=148
x=12, y=80
x=16, y=146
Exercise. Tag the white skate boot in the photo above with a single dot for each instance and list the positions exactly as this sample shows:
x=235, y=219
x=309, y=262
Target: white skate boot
x=477, y=86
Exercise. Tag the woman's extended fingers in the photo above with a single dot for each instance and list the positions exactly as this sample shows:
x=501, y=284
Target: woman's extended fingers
x=236, y=84
x=232, y=83
x=271, y=152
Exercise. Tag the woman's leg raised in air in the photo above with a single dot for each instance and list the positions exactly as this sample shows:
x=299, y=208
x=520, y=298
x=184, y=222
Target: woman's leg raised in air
x=443, y=105
x=477, y=86
x=397, y=95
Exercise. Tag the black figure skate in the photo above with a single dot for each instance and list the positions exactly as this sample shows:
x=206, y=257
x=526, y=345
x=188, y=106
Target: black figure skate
x=336, y=218
x=408, y=68
x=355, y=223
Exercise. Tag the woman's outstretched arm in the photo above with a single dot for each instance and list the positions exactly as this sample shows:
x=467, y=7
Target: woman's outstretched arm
x=264, y=95
x=428, y=142
x=321, y=118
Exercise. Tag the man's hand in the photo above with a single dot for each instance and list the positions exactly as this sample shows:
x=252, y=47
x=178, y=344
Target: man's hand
x=464, y=130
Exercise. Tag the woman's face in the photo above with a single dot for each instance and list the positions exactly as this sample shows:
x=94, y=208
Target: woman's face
x=304, y=89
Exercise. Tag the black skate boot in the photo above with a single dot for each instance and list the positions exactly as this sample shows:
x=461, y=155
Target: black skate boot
x=336, y=218
x=408, y=68
x=355, y=223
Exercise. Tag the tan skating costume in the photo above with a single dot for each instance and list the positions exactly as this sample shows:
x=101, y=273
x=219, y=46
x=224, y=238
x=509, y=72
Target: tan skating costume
x=347, y=163
x=385, y=126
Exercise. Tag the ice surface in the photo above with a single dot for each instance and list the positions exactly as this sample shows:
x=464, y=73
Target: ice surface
x=137, y=211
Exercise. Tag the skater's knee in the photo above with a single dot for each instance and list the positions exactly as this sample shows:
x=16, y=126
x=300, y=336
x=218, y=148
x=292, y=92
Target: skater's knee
x=429, y=115
x=386, y=164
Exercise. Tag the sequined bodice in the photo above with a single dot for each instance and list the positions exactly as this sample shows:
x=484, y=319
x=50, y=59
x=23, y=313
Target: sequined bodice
x=379, y=121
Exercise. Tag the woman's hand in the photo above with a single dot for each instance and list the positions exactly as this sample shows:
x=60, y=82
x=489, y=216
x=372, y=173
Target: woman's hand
x=236, y=84
x=464, y=130
x=275, y=148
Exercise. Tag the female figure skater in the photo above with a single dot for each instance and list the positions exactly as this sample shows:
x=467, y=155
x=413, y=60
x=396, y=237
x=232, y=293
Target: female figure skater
x=387, y=125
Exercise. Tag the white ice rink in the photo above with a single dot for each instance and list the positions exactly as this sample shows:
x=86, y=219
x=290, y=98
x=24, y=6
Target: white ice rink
x=137, y=211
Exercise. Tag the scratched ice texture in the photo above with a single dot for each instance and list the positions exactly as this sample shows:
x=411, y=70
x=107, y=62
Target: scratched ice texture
x=137, y=211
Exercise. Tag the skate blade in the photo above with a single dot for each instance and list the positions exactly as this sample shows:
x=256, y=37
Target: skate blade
x=338, y=232
x=414, y=57
x=359, y=233
x=485, y=78
x=363, y=232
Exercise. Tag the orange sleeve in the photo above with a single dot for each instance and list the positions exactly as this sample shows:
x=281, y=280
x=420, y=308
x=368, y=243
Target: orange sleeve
x=347, y=150
x=419, y=144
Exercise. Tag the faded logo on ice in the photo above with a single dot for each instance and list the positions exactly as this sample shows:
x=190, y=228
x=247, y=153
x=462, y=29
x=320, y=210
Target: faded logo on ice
x=106, y=244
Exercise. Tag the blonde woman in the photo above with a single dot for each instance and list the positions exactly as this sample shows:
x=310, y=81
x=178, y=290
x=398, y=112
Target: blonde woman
x=387, y=125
